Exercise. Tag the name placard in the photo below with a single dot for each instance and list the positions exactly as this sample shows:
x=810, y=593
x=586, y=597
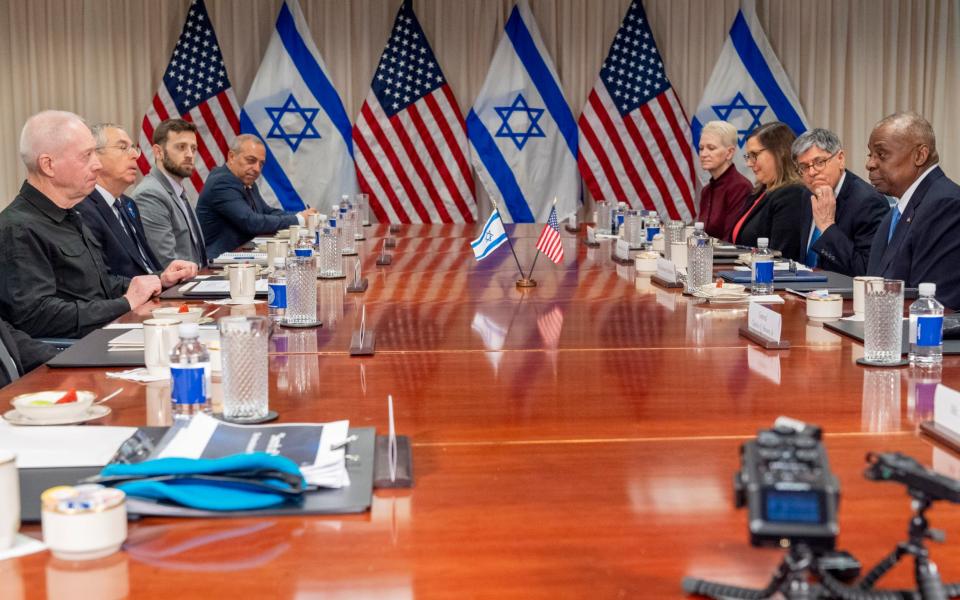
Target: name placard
x=622, y=250
x=666, y=270
x=591, y=235
x=765, y=321
x=946, y=408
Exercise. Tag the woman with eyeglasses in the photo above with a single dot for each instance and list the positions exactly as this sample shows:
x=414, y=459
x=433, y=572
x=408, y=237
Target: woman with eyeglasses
x=721, y=200
x=779, y=206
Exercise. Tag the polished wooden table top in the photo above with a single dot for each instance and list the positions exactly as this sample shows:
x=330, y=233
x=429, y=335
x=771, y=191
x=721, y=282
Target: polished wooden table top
x=577, y=439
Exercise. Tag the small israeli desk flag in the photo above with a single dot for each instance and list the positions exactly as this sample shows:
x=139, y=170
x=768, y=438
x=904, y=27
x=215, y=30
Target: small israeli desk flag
x=523, y=137
x=492, y=237
x=748, y=86
x=294, y=108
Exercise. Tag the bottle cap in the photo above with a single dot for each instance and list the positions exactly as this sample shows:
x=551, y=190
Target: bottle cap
x=927, y=289
x=763, y=242
x=698, y=226
x=189, y=330
x=279, y=262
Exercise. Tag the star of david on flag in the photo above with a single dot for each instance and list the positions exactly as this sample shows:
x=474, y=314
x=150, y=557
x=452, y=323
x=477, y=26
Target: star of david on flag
x=299, y=130
x=748, y=86
x=295, y=109
x=491, y=237
x=523, y=137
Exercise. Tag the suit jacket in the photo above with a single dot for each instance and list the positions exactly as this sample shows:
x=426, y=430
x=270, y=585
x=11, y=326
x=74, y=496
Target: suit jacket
x=227, y=218
x=27, y=353
x=845, y=246
x=779, y=217
x=119, y=249
x=925, y=246
x=165, y=220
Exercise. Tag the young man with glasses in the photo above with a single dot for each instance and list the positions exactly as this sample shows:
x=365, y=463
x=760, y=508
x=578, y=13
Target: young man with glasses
x=114, y=218
x=846, y=210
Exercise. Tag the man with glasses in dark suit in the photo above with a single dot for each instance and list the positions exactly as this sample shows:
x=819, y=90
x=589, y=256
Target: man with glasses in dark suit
x=114, y=219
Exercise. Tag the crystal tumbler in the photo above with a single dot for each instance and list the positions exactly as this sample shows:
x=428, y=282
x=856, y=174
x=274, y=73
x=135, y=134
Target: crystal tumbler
x=243, y=343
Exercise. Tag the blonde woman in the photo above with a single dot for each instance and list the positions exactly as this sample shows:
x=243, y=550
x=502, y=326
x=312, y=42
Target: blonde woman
x=721, y=201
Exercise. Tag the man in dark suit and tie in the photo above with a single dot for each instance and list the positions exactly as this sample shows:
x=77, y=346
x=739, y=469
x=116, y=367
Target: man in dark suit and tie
x=114, y=219
x=230, y=208
x=919, y=239
x=844, y=209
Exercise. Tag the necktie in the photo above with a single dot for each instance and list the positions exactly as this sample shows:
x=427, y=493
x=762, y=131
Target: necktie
x=893, y=222
x=195, y=232
x=248, y=194
x=812, y=257
x=8, y=364
x=127, y=223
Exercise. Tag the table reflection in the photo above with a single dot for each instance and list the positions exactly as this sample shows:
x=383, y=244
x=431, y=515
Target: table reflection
x=881, y=400
x=922, y=383
x=103, y=579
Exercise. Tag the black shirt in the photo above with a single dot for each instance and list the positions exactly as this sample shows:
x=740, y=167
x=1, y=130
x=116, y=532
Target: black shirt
x=55, y=283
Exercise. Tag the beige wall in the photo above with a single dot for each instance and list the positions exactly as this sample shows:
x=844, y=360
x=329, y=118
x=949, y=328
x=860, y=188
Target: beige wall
x=851, y=61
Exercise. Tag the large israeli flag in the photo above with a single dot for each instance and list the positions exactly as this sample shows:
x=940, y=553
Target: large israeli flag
x=523, y=137
x=294, y=108
x=748, y=86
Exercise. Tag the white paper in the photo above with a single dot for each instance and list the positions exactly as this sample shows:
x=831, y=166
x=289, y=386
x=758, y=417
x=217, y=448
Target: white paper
x=22, y=546
x=622, y=250
x=666, y=270
x=946, y=408
x=764, y=321
x=222, y=286
x=133, y=339
x=62, y=446
x=124, y=326
x=591, y=235
x=767, y=299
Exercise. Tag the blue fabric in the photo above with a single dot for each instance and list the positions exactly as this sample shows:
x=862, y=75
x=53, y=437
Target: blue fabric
x=895, y=218
x=811, y=260
x=499, y=169
x=206, y=494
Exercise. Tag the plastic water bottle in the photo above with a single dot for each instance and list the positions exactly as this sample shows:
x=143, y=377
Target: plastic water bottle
x=189, y=374
x=302, y=282
x=277, y=290
x=761, y=269
x=926, y=327
x=652, y=229
x=699, y=259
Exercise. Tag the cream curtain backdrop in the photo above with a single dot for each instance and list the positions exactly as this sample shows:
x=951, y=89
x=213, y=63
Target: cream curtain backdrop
x=851, y=61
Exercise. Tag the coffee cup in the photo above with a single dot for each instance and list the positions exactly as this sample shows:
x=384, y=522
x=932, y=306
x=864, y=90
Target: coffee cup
x=159, y=338
x=243, y=282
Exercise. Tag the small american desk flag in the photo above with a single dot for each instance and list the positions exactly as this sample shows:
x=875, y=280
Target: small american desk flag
x=410, y=142
x=634, y=137
x=549, y=241
x=195, y=87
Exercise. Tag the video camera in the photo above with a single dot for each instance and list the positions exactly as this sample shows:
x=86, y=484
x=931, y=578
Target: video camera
x=786, y=483
x=921, y=482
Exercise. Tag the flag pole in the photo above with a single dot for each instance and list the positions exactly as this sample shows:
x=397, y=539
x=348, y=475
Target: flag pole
x=537, y=255
x=512, y=251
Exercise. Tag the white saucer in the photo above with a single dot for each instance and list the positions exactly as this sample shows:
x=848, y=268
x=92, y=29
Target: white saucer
x=97, y=411
x=232, y=302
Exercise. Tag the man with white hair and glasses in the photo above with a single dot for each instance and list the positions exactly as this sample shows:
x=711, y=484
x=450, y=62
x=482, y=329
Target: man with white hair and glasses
x=846, y=210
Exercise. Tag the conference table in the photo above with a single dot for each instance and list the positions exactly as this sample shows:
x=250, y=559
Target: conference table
x=575, y=439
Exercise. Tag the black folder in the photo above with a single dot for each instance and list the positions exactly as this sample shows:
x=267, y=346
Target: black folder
x=854, y=329
x=92, y=351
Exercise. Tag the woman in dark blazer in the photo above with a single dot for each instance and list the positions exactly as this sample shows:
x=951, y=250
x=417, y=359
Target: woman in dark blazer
x=778, y=208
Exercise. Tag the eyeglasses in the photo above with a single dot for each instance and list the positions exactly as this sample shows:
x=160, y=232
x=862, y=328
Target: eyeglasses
x=133, y=151
x=817, y=164
x=751, y=157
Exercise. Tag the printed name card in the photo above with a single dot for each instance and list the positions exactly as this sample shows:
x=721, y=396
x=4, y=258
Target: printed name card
x=591, y=235
x=622, y=250
x=946, y=408
x=666, y=270
x=765, y=321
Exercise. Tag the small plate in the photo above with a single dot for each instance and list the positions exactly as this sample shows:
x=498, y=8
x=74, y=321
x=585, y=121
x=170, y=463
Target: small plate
x=96, y=411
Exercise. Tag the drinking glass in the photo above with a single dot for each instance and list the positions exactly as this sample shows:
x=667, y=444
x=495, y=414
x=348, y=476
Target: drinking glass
x=243, y=343
x=633, y=224
x=883, y=321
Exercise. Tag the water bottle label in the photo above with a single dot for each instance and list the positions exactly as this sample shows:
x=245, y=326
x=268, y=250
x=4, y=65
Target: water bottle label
x=277, y=295
x=188, y=383
x=763, y=271
x=929, y=331
x=651, y=232
x=303, y=252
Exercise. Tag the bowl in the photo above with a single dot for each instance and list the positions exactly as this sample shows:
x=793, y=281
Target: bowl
x=173, y=312
x=828, y=306
x=42, y=406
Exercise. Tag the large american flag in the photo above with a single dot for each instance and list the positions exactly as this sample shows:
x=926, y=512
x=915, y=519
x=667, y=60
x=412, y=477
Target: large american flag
x=195, y=88
x=635, y=142
x=549, y=241
x=410, y=142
